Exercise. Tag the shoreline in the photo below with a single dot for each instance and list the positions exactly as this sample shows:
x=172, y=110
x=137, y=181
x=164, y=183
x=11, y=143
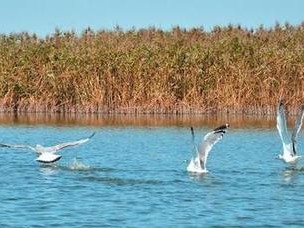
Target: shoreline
x=100, y=120
x=139, y=120
x=134, y=111
x=139, y=111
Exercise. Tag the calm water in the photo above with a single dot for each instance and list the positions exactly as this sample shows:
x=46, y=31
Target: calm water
x=134, y=175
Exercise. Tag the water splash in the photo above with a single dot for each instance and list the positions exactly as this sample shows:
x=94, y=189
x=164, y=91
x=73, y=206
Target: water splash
x=194, y=166
x=78, y=165
x=49, y=170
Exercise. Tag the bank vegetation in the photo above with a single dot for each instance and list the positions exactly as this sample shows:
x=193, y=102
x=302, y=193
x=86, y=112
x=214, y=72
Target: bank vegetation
x=179, y=71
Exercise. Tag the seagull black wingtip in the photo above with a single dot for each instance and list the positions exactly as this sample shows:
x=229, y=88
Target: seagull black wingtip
x=281, y=103
x=92, y=135
x=221, y=128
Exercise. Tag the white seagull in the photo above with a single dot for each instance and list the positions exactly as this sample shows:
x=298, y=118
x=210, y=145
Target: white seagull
x=198, y=163
x=289, y=143
x=49, y=154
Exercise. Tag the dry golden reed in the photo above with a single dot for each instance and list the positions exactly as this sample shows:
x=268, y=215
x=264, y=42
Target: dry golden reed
x=228, y=69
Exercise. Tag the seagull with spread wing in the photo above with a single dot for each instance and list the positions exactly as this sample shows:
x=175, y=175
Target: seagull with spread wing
x=289, y=143
x=49, y=154
x=199, y=161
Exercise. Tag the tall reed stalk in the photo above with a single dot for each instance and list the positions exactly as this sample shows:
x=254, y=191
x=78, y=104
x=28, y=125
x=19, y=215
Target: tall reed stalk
x=229, y=69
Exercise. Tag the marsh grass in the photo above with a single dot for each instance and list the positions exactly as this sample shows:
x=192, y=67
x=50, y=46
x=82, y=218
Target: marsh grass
x=229, y=69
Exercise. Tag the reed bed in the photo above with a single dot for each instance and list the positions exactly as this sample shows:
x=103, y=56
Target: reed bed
x=229, y=69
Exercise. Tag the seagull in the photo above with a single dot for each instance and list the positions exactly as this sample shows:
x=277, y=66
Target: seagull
x=198, y=163
x=49, y=154
x=289, y=143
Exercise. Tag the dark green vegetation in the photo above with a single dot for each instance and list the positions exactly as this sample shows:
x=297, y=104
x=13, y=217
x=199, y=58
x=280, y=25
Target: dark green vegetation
x=153, y=71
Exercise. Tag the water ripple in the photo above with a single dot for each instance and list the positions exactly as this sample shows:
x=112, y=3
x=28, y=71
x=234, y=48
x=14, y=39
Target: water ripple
x=136, y=177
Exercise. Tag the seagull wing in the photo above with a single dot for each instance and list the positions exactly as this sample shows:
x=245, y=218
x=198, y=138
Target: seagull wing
x=69, y=144
x=298, y=126
x=209, y=141
x=282, y=128
x=17, y=146
x=193, y=141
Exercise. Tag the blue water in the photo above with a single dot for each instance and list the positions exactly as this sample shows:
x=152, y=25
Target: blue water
x=136, y=177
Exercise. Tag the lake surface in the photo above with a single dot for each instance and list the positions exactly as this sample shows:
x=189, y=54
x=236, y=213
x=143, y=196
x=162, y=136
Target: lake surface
x=133, y=174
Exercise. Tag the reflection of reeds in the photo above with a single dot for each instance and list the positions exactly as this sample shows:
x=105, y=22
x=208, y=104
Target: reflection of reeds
x=95, y=120
x=229, y=69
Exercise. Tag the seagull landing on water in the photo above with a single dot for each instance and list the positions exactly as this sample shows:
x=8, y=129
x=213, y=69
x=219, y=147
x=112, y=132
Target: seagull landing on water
x=198, y=163
x=289, y=143
x=49, y=154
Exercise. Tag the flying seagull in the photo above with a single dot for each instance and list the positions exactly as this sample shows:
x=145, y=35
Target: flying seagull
x=49, y=154
x=198, y=163
x=289, y=143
